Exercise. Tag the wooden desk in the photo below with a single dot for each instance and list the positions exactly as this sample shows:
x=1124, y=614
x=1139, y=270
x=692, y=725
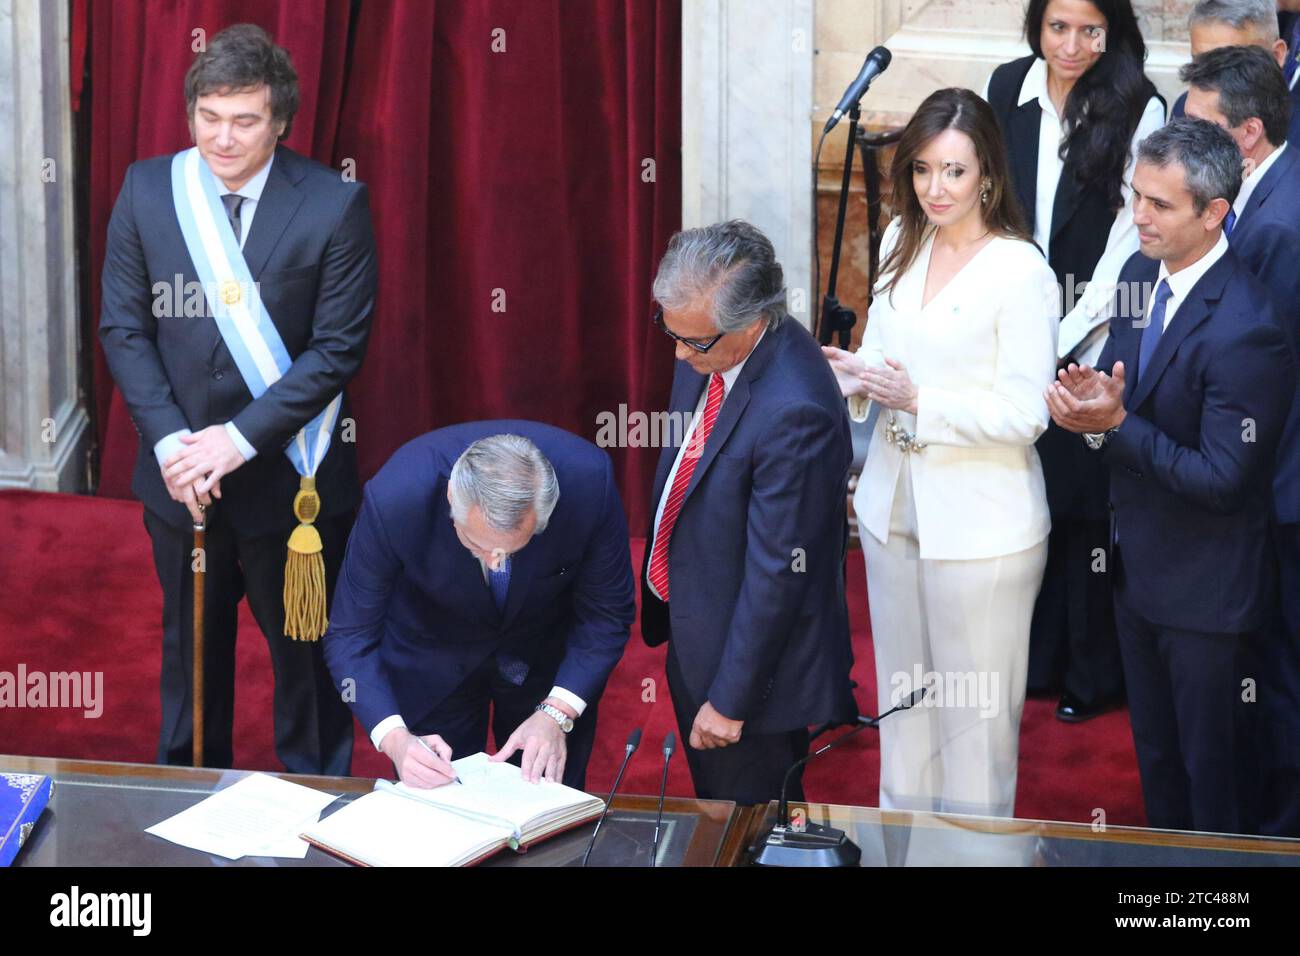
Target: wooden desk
x=100, y=810
x=902, y=838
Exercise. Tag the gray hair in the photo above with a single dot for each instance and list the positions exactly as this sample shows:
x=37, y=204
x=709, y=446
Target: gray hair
x=731, y=261
x=1209, y=156
x=1259, y=15
x=506, y=476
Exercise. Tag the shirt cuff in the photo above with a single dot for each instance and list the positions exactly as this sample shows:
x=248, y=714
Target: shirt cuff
x=573, y=700
x=383, y=727
x=168, y=445
x=245, y=449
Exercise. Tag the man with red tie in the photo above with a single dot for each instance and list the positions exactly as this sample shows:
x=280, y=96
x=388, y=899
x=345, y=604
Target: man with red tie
x=744, y=566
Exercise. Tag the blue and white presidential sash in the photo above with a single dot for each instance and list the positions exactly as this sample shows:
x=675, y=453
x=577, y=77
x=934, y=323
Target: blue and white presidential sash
x=259, y=353
x=235, y=303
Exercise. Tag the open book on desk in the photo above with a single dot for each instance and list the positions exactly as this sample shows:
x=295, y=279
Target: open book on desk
x=397, y=825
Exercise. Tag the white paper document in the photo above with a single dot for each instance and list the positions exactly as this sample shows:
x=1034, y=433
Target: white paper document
x=259, y=815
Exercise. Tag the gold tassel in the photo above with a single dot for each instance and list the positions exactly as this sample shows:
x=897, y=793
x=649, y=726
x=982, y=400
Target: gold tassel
x=304, y=572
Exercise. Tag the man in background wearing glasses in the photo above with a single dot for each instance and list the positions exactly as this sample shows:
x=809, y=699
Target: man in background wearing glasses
x=743, y=572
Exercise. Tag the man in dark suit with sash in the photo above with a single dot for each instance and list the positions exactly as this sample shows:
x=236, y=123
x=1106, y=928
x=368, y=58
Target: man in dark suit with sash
x=236, y=392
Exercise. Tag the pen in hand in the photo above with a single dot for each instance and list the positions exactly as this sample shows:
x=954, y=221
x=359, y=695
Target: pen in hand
x=455, y=778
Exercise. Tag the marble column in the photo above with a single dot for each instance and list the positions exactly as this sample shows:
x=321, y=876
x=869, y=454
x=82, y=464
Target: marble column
x=747, y=80
x=43, y=423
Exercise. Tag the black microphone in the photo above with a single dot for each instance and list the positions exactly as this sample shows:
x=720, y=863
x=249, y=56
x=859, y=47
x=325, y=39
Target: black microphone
x=783, y=810
x=670, y=744
x=816, y=845
x=633, y=741
x=876, y=63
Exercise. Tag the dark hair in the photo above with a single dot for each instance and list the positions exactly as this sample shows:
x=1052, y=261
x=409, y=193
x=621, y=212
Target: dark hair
x=1105, y=105
x=243, y=57
x=967, y=113
x=1248, y=83
x=1209, y=157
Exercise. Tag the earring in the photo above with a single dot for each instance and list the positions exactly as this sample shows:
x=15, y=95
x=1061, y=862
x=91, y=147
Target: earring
x=985, y=186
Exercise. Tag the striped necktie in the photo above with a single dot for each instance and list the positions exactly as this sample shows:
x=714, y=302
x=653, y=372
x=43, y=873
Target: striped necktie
x=677, y=494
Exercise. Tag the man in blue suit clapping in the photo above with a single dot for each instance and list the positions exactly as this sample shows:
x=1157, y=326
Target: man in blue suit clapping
x=489, y=566
x=1188, y=416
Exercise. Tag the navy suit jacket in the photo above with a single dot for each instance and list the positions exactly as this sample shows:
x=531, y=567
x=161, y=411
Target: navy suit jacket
x=311, y=251
x=1267, y=239
x=1293, y=132
x=1191, y=486
x=757, y=613
x=412, y=613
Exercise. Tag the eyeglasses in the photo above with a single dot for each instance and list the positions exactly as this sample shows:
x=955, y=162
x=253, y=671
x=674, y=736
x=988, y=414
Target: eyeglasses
x=693, y=343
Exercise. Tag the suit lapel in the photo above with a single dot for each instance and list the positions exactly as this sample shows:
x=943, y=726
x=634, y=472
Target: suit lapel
x=1190, y=315
x=1069, y=193
x=279, y=202
x=449, y=560
x=735, y=403
x=523, y=568
x=1281, y=169
x=1024, y=125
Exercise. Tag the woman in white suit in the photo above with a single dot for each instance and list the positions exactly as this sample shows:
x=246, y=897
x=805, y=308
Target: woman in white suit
x=959, y=345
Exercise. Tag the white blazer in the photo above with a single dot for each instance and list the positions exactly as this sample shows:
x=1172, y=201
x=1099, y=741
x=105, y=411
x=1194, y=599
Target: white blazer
x=980, y=354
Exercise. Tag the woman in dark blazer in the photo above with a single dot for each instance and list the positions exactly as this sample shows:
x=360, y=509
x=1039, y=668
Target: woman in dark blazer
x=1072, y=114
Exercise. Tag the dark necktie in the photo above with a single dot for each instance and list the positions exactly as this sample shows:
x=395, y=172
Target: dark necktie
x=499, y=583
x=511, y=668
x=232, y=202
x=1155, y=327
x=1229, y=223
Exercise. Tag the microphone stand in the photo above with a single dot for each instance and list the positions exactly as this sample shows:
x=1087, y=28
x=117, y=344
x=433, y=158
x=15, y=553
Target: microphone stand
x=816, y=845
x=633, y=741
x=670, y=744
x=837, y=318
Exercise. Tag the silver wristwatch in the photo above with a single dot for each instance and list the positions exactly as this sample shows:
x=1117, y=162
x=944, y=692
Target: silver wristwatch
x=557, y=715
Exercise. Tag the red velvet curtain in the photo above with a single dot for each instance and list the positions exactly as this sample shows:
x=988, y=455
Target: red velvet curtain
x=523, y=158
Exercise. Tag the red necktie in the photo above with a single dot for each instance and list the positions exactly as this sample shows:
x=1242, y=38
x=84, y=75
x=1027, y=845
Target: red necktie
x=685, y=468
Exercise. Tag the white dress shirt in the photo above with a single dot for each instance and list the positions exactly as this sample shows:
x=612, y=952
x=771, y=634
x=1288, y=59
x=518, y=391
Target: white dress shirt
x=728, y=379
x=1250, y=182
x=251, y=191
x=1083, y=330
x=1182, y=281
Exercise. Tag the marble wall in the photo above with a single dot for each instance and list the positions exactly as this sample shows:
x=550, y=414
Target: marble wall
x=43, y=422
x=747, y=75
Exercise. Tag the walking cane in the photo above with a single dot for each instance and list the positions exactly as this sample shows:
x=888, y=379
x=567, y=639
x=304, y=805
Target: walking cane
x=199, y=565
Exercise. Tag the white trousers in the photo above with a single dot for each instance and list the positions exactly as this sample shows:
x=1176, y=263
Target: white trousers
x=961, y=629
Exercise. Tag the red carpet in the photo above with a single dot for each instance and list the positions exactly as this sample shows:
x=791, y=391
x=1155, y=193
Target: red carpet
x=78, y=593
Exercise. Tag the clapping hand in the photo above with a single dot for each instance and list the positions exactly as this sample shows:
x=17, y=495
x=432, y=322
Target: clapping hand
x=1084, y=400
